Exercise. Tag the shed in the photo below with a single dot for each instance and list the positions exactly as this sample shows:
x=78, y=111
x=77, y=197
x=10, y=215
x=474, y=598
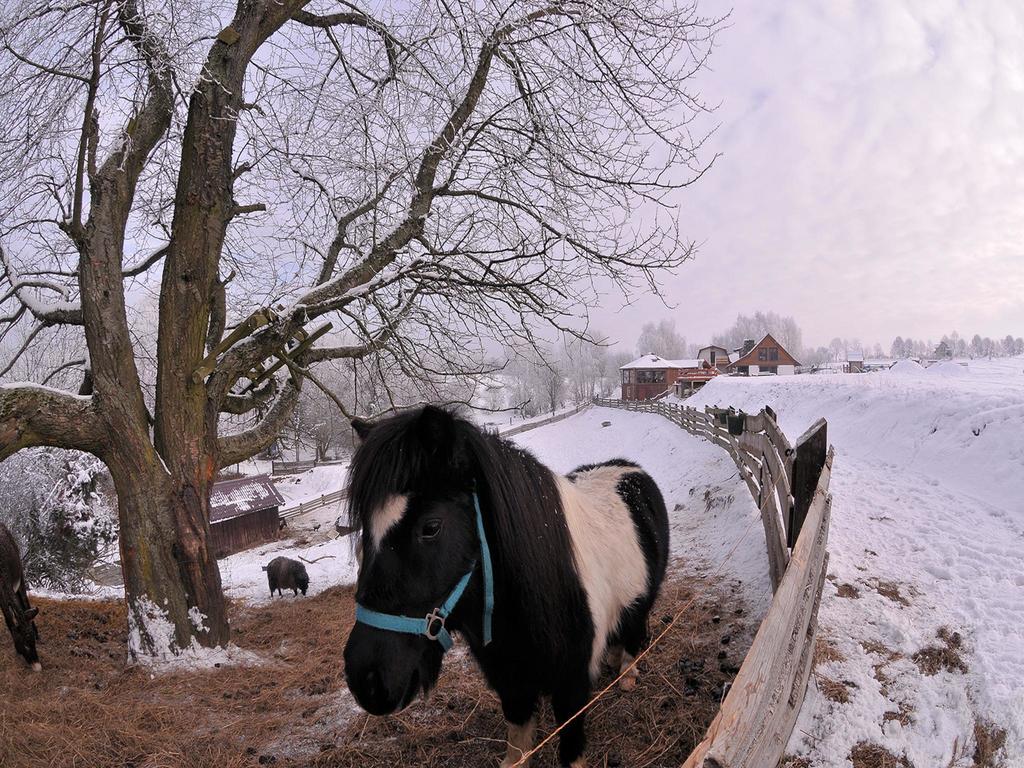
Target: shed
x=855, y=362
x=243, y=514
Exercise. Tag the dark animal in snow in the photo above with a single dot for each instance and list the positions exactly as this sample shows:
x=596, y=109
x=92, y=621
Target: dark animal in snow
x=285, y=573
x=316, y=527
x=577, y=563
x=18, y=614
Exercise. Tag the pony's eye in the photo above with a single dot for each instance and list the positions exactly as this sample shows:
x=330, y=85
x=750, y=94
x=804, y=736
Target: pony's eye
x=431, y=528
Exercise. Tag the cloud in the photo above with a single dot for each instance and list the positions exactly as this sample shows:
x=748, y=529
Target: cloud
x=872, y=177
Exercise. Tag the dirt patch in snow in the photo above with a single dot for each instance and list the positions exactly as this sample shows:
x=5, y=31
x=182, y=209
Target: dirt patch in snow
x=292, y=709
x=946, y=654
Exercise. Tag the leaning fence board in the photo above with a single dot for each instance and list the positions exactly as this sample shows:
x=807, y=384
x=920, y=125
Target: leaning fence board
x=760, y=711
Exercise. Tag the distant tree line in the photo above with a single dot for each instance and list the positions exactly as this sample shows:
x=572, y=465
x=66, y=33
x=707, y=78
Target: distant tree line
x=955, y=345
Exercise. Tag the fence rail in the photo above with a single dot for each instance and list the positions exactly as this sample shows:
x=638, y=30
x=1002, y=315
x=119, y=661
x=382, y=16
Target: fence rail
x=790, y=487
x=295, y=467
x=312, y=505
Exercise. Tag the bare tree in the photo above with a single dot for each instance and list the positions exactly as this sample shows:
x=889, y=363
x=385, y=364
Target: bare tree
x=662, y=339
x=423, y=178
x=783, y=328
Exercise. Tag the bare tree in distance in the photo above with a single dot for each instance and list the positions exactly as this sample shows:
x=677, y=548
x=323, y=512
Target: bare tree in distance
x=662, y=339
x=783, y=328
x=423, y=178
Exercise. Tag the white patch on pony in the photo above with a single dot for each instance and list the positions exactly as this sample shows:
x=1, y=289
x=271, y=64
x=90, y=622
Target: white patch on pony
x=609, y=560
x=37, y=667
x=17, y=586
x=520, y=741
x=387, y=517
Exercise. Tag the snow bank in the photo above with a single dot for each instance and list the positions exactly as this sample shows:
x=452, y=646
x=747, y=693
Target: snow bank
x=927, y=533
x=906, y=368
x=948, y=369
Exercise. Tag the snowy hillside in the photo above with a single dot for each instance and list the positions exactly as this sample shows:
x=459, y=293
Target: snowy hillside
x=926, y=596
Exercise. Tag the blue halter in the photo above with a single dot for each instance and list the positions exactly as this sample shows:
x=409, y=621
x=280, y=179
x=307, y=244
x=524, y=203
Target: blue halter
x=432, y=625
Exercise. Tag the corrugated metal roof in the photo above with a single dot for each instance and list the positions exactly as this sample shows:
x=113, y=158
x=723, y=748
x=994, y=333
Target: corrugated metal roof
x=231, y=498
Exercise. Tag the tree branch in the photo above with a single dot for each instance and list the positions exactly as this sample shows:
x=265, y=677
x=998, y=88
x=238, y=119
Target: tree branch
x=232, y=449
x=32, y=415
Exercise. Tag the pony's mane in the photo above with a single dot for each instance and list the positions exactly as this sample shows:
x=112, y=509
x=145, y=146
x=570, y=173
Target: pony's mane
x=431, y=450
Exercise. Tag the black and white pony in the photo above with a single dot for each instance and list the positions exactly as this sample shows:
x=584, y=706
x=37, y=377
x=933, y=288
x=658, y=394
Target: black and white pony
x=540, y=574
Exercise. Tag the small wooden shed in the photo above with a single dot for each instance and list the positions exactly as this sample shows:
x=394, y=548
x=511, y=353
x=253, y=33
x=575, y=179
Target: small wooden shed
x=243, y=514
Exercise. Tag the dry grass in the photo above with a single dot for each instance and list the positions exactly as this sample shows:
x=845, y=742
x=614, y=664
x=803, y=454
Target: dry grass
x=989, y=740
x=89, y=709
x=891, y=591
x=825, y=650
x=834, y=690
x=944, y=655
x=848, y=591
x=868, y=755
x=904, y=714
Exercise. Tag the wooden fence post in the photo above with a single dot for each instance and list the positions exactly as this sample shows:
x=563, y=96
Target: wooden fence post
x=811, y=449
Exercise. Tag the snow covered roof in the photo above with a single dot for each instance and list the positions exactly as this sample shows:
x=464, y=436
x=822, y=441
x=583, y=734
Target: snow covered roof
x=713, y=346
x=855, y=357
x=653, y=361
x=231, y=498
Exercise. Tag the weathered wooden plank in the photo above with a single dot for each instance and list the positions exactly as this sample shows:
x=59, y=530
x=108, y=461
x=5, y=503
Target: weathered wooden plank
x=755, y=422
x=760, y=711
x=775, y=540
x=808, y=461
x=778, y=439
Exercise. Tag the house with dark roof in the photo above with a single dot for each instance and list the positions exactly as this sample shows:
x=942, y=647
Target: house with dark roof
x=243, y=514
x=764, y=357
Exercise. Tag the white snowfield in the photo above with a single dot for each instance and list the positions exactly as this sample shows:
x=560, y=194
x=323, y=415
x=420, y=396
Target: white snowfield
x=928, y=494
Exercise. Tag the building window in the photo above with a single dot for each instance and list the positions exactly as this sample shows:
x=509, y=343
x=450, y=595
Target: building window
x=762, y=354
x=625, y=377
x=773, y=353
x=650, y=377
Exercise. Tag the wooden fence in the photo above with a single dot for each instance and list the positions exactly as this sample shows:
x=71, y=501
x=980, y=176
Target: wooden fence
x=312, y=505
x=295, y=467
x=790, y=487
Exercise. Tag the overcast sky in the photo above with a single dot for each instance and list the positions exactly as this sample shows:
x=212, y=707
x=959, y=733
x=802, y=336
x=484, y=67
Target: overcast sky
x=872, y=173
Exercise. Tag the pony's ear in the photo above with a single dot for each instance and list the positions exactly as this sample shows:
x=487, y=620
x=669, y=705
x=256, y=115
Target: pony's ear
x=436, y=426
x=444, y=436
x=362, y=427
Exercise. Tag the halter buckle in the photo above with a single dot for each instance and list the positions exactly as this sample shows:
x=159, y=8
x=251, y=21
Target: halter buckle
x=431, y=618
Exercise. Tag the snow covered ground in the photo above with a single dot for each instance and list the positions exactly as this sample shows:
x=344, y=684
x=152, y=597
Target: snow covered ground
x=927, y=537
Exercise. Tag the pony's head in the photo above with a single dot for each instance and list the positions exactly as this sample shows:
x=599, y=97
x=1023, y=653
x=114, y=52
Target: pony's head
x=411, y=496
x=21, y=623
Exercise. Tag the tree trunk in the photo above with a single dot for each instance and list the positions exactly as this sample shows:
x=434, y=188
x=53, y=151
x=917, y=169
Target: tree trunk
x=172, y=582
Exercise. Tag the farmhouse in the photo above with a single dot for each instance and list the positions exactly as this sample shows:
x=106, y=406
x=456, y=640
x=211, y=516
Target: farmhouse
x=855, y=362
x=651, y=376
x=766, y=356
x=243, y=514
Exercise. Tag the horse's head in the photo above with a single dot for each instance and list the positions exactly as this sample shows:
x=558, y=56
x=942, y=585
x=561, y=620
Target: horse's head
x=411, y=495
x=23, y=630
